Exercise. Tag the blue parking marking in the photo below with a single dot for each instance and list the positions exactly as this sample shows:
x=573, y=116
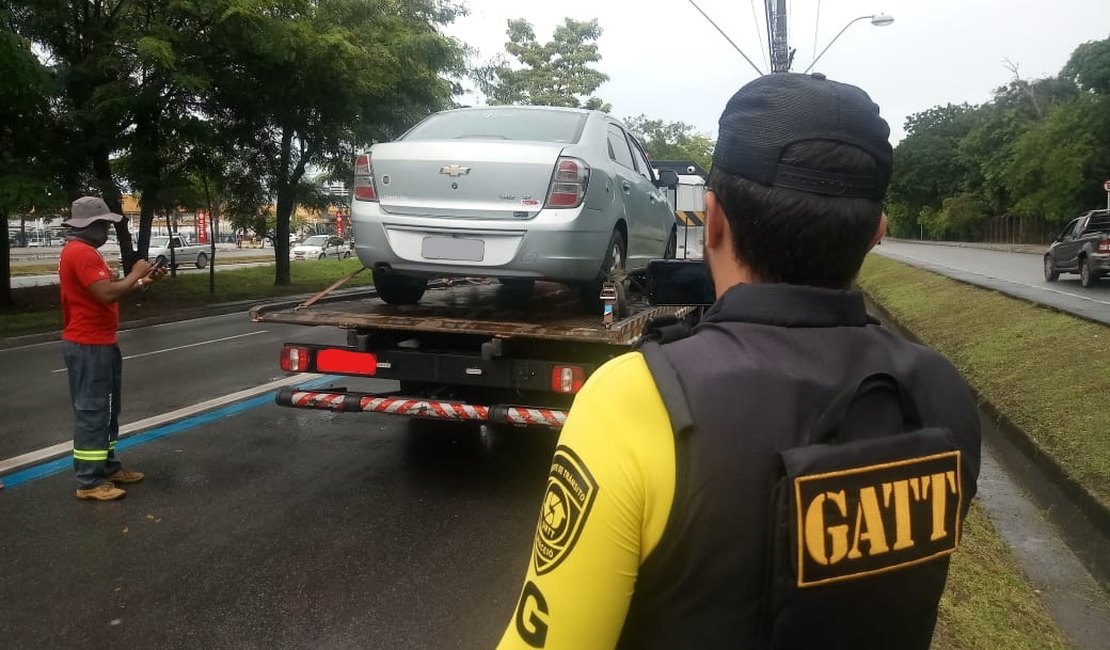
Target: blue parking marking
x=51, y=467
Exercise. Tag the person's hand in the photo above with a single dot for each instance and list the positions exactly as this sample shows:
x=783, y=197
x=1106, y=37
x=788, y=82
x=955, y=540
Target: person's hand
x=156, y=272
x=141, y=268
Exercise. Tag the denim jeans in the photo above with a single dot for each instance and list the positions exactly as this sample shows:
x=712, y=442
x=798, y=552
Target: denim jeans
x=95, y=374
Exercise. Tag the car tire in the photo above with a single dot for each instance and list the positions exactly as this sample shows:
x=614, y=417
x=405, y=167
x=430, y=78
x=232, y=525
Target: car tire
x=398, y=289
x=1087, y=277
x=202, y=261
x=323, y=256
x=615, y=256
x=163, y=260
x=671, y=251
x=1050, y=272
x=347, y=255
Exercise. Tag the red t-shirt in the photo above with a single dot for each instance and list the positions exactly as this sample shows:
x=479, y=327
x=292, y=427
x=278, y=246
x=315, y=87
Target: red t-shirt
x=84, y=318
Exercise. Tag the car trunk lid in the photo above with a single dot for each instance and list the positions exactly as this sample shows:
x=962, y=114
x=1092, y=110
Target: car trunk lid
x=461, y=179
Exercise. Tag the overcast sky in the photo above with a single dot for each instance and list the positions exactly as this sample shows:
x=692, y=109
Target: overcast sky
x=666, y=61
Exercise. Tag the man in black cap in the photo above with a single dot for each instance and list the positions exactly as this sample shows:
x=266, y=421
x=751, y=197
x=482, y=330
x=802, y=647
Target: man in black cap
x=789, y=475
x=90, y=318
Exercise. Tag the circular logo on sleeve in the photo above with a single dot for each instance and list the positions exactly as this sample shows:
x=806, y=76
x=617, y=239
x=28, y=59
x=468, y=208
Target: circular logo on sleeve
x=570, y=493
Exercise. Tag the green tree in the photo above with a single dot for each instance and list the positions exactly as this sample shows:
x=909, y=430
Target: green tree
x=556, y=73
x=1058, y=168
x=301, y=84
x=1089, y=67
x=26, y=178
x=672, y=140
x=926, y=169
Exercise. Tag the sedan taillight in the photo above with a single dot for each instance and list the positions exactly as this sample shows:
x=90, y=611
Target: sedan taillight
x=1104, y=246
x=568, y=185
x=364, y=179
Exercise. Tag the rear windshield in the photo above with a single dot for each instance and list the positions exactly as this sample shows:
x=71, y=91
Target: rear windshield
x=1099, y=223
x=502, y=124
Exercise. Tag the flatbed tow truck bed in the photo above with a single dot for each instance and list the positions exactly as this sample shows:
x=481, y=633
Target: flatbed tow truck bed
x=471, y=350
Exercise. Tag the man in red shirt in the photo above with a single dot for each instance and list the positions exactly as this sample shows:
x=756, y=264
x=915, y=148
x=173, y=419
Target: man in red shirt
x=90, y=318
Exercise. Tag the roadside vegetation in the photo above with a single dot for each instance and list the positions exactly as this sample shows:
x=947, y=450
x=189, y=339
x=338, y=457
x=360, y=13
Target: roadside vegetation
x=1040, y=368
x=37, y=309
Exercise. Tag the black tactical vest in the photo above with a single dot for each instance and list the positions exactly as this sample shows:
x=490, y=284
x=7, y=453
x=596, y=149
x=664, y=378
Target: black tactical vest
x=823, y=468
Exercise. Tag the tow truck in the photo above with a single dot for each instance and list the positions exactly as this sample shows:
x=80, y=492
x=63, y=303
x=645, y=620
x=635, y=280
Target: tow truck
x=475, y=350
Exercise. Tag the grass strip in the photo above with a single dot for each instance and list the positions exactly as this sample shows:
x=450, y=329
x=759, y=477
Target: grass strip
x=987, y=603
x=37, y=308
x=1047, y=371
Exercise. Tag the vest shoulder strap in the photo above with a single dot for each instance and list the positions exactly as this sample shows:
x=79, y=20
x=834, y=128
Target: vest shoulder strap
x=669, y=385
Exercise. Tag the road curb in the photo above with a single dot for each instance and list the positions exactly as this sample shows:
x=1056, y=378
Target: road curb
x=1081, y=498
x=1006, y=248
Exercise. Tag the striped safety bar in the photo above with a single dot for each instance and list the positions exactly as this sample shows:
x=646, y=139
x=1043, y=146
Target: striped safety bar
x=690, y=217
x=345, y=401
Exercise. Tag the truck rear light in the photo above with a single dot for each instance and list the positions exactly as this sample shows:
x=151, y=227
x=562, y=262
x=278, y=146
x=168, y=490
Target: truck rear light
x=295, y=358
x=347, y=362
x=365, y=190
x=567, y=379
x=568, y=185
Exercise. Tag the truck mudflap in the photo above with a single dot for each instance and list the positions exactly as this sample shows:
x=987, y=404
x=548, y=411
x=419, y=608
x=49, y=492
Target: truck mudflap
x=349, y=401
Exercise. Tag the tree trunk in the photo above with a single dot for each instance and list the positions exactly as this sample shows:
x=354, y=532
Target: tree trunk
x=109, y=191
x=286, y=182
x=5, y=265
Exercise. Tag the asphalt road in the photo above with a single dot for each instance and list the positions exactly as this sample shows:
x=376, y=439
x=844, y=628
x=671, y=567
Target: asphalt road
x=265, y=527
x=1016, y=274
x=258, y=526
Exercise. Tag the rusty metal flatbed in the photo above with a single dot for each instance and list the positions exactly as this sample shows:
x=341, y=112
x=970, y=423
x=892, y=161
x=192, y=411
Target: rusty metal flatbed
x=550, y=312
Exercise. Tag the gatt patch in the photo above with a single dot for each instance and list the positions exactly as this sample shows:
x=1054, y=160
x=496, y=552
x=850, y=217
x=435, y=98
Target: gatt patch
x=571, y=491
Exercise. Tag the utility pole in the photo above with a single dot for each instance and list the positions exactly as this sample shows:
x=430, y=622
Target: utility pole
x=781, y=55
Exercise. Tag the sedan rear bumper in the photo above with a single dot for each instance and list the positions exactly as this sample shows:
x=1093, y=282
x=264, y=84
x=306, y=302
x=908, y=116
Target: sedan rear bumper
x=554, y=245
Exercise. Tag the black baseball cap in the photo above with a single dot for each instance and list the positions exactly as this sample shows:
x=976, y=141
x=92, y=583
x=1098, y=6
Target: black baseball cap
x=775, y=111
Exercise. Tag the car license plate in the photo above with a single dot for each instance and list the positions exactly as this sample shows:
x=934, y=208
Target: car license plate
x=453, y=248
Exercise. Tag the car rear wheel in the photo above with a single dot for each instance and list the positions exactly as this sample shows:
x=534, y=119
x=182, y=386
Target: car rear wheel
x=322, y=256
x=399, y=289
x=202, y=261
x=1050, y=272
x=347, y=255
x=1086, y=276
x=611, y=267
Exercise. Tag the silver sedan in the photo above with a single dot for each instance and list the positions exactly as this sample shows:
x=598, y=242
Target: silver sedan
x=511, y=192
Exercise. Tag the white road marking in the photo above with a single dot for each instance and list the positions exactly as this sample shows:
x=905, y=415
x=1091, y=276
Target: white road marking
x=904, y=256
x=63, y=448
x=181, y=347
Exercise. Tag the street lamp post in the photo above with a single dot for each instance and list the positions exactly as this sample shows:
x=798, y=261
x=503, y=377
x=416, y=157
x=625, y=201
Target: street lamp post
x=878, y=20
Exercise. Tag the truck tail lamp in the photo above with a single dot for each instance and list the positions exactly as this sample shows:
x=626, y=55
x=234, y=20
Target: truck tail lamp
x=295, y=358
x=567, y=379
x=365, y=190
x=568, y=185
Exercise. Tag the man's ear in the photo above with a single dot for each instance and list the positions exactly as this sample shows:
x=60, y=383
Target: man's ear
x=880, y=231
x=716, y=224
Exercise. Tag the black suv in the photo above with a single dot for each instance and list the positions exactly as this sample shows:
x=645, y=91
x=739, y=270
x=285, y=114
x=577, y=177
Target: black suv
x=1082, y=247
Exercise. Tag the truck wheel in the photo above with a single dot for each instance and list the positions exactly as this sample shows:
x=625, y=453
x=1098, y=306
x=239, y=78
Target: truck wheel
x=613, y=265
x=1086, y=277
x=1050, y=272
x=671, y=251
x=202, y=261
x=399, y=289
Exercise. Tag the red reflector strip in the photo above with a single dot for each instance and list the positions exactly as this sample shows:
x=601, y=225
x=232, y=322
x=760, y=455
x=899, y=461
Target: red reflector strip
x=346, y=362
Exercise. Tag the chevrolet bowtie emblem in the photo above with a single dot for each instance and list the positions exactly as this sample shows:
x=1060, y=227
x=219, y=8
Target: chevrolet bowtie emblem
x=454, y=170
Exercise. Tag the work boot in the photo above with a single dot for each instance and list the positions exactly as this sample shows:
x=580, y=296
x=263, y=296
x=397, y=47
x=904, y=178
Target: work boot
x=102, y=492
x=124, y=475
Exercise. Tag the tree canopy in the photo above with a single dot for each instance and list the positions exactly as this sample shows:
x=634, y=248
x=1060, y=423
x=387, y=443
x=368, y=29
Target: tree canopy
x=1039, y=151
x=556, y=73
x=672, y=140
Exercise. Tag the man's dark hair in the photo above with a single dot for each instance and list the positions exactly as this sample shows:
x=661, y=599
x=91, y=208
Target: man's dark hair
x=785, y=235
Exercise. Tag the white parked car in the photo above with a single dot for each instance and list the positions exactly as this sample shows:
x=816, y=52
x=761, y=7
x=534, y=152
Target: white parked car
x=319, y=247
x=184, y=253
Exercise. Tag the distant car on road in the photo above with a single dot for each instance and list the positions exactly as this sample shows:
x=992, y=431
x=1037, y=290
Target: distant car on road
x=183, y=252
x=518, y=193
x=319, y=247
x=1082, y=247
